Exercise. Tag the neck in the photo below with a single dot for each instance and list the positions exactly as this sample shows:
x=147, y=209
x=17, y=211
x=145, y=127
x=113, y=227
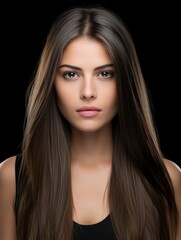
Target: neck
x=92, y=148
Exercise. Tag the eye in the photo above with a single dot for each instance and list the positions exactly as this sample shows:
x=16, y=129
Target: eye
x=106, y=74
x=70, y=75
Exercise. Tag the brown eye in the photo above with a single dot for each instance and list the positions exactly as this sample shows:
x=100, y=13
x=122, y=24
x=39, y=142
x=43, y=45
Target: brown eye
x=70, y=75
x=106, y=74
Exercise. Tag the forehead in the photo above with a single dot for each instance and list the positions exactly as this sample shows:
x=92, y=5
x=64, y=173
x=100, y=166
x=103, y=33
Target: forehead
x=85, y=50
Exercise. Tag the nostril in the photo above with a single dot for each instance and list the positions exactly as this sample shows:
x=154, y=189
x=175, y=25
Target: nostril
x=88, y=95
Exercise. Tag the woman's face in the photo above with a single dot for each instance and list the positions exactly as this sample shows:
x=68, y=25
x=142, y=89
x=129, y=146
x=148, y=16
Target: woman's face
x=86, y=86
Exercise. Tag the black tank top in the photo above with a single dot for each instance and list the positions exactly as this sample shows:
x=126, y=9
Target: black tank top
x=102, y=230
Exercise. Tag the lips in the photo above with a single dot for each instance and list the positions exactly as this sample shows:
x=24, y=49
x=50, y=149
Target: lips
x=88, y=111
x=88, y=108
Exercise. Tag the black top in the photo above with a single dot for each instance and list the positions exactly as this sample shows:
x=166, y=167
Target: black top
x=100, y=231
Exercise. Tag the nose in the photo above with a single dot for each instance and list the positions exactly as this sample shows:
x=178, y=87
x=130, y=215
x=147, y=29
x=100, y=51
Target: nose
x=88, y=91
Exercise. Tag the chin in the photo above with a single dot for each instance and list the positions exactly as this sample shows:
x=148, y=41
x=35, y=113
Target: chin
x=88, y=128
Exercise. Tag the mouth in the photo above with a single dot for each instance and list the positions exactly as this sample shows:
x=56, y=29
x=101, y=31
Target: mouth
x=88, y=111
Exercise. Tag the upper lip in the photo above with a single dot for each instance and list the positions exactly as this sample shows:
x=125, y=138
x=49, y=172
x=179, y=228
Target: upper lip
x=88, y=108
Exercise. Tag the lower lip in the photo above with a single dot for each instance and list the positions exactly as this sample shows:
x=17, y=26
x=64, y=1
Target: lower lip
x=88, y=113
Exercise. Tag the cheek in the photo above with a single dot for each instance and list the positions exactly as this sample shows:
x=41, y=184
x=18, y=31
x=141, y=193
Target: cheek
x=65, y=92
x=63, y=101
x=63, y=97
x=111, y=97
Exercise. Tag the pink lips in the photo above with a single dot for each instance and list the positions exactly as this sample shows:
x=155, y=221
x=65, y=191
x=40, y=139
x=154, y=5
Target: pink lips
x=88, y=111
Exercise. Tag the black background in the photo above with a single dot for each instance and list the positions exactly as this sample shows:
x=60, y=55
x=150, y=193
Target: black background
x=155, y=29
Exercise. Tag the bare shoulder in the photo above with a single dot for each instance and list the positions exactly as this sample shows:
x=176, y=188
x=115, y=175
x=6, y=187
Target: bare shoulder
x=175, y=173
x=7, y=169
x=7, y=176
x=7, y=198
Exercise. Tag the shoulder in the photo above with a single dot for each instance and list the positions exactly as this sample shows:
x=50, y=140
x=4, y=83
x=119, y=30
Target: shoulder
x=7, y=198
x=7, y=177
x=175, y=173
x=7, y=168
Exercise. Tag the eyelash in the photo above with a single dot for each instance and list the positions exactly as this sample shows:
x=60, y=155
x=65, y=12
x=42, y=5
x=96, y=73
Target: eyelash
x=110, y=73
x=68, y=75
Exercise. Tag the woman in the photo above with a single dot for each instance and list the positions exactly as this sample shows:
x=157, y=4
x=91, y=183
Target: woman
x=91, y=165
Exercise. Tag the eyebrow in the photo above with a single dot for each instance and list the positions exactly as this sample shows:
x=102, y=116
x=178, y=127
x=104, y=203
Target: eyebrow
x=78, y=68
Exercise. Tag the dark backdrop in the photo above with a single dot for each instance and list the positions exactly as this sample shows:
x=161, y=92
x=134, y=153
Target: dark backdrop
x=155, y=30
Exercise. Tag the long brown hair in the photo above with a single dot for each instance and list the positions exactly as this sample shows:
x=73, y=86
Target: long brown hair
x=141, y=196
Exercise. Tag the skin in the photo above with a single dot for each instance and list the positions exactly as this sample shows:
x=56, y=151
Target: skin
x=92, y=83
x=91, y=142
x=7, y=197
